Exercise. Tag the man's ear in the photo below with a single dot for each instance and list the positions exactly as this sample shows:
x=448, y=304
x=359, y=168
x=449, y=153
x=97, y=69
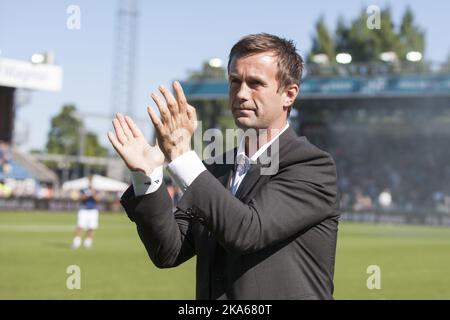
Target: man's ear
x=290, y=94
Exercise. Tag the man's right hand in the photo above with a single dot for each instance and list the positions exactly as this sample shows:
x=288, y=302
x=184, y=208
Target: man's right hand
x=132, y=147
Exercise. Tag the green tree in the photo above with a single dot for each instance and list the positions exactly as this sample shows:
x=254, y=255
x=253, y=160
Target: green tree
x=362, y=43
x=323, y=42
x=92, y=146
x=412, y=37
x=388, y=37
x=63, y=137
x=366, y=45
x=342, y=36
x=65, y=134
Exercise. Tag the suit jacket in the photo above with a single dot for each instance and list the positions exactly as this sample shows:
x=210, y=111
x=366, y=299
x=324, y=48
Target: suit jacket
x=276, y=239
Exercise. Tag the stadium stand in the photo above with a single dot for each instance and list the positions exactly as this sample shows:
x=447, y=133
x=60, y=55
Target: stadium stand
x=22, y=174
x=388, y=132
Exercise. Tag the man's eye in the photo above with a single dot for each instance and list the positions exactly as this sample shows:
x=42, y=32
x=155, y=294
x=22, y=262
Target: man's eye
x=255, y=83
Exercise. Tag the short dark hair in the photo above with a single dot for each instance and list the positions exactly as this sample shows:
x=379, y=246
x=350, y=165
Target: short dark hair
x=290, y=63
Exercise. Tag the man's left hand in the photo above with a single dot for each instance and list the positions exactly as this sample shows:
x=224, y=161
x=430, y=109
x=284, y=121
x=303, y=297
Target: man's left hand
x=177, y=123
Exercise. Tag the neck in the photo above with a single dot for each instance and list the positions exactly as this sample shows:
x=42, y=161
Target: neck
x=254, y=142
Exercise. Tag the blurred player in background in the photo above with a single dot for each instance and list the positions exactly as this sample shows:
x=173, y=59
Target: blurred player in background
x=87, y=216
x=173, y=190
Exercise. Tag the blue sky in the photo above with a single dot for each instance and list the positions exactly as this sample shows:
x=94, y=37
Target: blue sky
x=173, y=38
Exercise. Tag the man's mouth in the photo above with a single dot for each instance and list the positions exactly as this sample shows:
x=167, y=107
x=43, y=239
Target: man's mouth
x=244, y=109
x=241, y=111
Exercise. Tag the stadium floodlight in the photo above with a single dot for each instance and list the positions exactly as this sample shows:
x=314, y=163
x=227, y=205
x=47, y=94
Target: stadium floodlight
x=38, y=58
x=343, y=58
x=414, y=56
x=320, y=58
x=388, y=56
x=215, y=63
x=43, y=58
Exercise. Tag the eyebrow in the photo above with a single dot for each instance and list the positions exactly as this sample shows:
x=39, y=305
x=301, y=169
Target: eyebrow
x=250, y=78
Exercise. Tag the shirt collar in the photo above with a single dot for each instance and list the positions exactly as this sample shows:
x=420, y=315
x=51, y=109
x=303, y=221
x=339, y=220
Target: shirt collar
x=241, y=157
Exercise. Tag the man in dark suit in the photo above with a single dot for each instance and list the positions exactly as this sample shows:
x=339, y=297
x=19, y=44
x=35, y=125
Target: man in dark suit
x=263, y=226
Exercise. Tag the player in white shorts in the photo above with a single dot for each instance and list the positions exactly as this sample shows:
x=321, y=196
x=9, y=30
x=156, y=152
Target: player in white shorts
x=87, y=218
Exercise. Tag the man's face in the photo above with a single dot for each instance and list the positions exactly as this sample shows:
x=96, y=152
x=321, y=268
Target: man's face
x=255, y=99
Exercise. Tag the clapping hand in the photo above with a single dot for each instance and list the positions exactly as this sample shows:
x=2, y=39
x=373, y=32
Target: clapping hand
x=177, y=124
x=132, y=147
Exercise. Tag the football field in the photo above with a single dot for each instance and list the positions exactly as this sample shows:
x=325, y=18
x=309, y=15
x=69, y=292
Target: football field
x=35, y=254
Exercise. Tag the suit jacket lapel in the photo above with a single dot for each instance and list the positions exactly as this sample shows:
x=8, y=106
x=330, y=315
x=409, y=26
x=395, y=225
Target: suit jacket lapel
x=226, y=171
x=249, y=181
x=226, y=177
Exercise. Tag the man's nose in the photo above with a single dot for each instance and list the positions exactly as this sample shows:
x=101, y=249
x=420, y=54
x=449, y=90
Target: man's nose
x=243, y=92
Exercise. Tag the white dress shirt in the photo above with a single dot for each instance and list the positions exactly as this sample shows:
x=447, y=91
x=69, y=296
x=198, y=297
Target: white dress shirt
x=187, y=167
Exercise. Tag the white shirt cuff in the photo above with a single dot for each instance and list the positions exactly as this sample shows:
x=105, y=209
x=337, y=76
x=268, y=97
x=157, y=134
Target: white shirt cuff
x=185, y=169
x=143, y=184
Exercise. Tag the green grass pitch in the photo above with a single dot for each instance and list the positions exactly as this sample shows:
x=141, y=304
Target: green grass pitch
x=35, y=253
